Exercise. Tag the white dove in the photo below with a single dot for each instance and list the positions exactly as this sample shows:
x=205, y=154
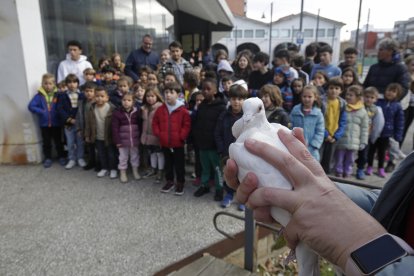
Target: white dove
x=254, y=125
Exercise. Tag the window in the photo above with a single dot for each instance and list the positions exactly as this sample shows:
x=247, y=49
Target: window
x=295, y=32
x=275, y=33
x=260, y=33
x=321, y=33
x=285, y=33
x=308, y=33
x=331, y=32
x=248, y=33
x=238, y=33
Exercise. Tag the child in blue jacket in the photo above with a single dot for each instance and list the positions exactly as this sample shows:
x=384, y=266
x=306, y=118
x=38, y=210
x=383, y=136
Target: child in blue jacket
x=43, y=105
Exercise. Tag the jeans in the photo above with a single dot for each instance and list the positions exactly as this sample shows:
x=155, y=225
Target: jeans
x=75, y=143
x=106, y=155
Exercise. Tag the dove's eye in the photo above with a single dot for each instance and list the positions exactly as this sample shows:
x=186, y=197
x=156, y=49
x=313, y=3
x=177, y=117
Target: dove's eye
x=260, y=108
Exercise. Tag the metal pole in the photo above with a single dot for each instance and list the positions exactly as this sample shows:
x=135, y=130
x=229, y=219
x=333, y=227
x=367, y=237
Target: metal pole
x=365, y=43
x=301, y=20
x=270, y=30
x=357, y=31
x=250, y=241
x=317, y=26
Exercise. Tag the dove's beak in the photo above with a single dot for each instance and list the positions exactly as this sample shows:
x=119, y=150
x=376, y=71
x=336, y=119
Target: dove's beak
x=247, y=117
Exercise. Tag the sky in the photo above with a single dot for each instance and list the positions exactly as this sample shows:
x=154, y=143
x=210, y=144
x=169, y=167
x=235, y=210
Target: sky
x=346, y=11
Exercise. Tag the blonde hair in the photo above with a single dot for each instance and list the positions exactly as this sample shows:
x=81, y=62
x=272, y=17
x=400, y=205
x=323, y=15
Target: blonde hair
x=315, y=93
x=154, y=90
x=48, y=76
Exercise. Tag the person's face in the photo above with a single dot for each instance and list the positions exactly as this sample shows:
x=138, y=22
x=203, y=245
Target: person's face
x=147, y=44
x=90, y=94
x=199, y=99
x=202, y=75
x=74, y=52
x=168, y=79
x=48, y=85
x=63, y=87
x=117, y=60
x=278, y=61
x=101, y=98
x=72, y=85
x=243, y=62
x=176, y=53
x=350, y=59
x=236, y=104
x=221, y=57
x=297, y=87
x=308, y=98
x=150, y=98
x=89, y=76
x=123, y=87
x=171, y=96
x=351, y=98
x=227, y=84
x=127, y=102
x=165, y=55
x=152, y=79
x=411, y=67
x=384, y=54
x=143, y=77
x=108, y=76
x=333, y=91
x=348, y=78
x=370, y=100
x=319, y=80
x=267, y=101
x=139, y=93
x=390, y=95
x=209, y=90
x=278, y=78
x=258, y=65
x=104, y=63
x=325, y=58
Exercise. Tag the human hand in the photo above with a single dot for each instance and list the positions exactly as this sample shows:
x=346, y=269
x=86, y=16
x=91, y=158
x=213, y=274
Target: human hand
x=322, y=216
x=362, y=146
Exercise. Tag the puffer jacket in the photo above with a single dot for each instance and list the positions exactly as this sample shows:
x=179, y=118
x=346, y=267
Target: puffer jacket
x=394, y=119
x=172, y=129
x=147, y=136
x=44, y=106
x=356, y=131
x=126, y=127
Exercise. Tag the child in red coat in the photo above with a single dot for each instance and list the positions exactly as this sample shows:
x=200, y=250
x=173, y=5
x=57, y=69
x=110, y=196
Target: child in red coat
x=171, y=124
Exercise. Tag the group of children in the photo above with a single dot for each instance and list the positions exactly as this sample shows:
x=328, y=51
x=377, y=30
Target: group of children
x=157, y=123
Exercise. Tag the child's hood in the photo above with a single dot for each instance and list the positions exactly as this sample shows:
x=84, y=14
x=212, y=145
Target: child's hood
x=82, y=58
x=171, y=108
x=224, y=65
x=44, y=93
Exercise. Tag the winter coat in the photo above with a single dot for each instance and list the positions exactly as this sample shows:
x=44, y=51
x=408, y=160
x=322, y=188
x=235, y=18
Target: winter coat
x=69, y=66
x=90, y=126
x=46, y=112
x=222, y=134
x=313, y=125
x=147, y=136
x=330, y=70
x=279, y=116
x=115, y=97
x=381, y=74
x=394, y=119
x=342, y=118
x=126, y=127
x=139, y=58
x=64, y=107
x=356, y=132
x=205, y=123
x=376, y=122
x=172, y=129
x=83, y=108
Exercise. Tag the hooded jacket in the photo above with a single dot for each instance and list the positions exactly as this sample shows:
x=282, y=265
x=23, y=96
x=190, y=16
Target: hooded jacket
x=126, y=127
x=76, y=67
x=223, y=134
x=147, y=136
x=44, y=106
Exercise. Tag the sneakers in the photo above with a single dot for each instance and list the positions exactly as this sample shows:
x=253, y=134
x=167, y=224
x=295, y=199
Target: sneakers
x=62, y=161
x=102, y=173
x=123, y=176
x=136, y=173
x=360, y=174
x=381, y=173
x=47, y=163
x=228, y=198
x=70, y=164
x=81, y=163
x=241, y=207
x=167, y=187
x=179, y=189
x=113, y=174
x=369, y=170
x=201, y=191
x=218, y=196
x=390, y=167
x=151, y=172
x=197, y=182
x=89, y=166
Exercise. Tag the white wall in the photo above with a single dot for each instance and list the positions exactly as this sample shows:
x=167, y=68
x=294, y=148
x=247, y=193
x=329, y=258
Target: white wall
x=23, y=57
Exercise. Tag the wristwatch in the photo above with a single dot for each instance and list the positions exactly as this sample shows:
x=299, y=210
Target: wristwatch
x=376, y=254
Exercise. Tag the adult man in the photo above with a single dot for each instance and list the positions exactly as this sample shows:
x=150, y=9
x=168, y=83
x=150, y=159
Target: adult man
x=74, y=63
x=325, y=219
x=141, y=57
x=350, y=59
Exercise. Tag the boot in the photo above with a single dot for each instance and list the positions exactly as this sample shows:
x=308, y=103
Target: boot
x=160, y=176
x=123, y=177
x=135, y=173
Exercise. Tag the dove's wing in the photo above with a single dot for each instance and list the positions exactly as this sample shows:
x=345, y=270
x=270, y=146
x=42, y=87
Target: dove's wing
x=237, y=128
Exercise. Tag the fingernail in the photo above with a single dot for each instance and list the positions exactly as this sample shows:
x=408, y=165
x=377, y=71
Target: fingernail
x=249, y=142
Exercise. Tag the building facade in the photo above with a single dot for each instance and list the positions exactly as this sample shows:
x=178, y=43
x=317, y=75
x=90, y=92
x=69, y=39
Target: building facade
x=403, y=32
